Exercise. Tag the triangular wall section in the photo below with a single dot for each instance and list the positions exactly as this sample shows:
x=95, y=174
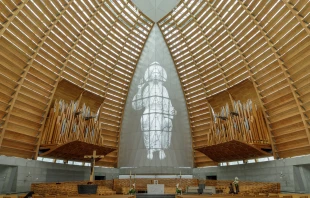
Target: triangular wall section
x=150, y=125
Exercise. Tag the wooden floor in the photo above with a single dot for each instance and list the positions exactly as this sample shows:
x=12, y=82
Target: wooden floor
x=240, y=196
x=177, y=196
x=86, y=196
x=65, y=196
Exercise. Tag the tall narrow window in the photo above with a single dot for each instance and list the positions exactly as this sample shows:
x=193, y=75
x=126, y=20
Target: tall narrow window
x=156, y=121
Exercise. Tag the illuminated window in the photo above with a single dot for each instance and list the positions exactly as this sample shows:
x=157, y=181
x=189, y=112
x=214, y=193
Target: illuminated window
x=59, y=161
x=156, y=121
x=48, y=160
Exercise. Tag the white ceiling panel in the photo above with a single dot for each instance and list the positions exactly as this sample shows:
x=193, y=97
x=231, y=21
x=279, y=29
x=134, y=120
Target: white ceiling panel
x=155, y=9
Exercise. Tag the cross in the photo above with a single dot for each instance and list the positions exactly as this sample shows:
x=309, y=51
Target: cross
x=93, y=159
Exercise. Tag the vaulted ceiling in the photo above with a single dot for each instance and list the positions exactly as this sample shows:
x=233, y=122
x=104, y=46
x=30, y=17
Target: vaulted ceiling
x=93, y=44
x=217, y=44
x=96, y=45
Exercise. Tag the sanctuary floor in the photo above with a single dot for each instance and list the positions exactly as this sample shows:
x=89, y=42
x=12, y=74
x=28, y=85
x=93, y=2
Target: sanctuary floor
x=158, y=196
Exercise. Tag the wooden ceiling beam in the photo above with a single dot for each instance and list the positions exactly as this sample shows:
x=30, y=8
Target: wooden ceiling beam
x=250, y=74
x=219, y=66
x=100, y=48
x=181, y=39
x=283, y=68
x=26, y=70
x=8, y=23
x=62, y=70
x=123, y=109
x=297, y=16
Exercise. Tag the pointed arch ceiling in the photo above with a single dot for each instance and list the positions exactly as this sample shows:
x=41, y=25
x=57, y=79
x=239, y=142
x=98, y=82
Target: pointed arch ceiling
x=216, y=44
x=93, y=44
x=96, y=45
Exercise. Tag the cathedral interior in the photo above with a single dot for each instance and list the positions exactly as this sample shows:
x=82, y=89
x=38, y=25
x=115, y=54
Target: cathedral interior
x=174, y=92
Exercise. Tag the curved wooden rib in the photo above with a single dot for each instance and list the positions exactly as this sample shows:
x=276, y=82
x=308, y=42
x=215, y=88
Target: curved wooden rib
x=79, y=41
x=266, y=42
x=64, y=67
x=75, y=150
x=290, y=83
x=234, y=150
x=220, y=18
x=14, y=14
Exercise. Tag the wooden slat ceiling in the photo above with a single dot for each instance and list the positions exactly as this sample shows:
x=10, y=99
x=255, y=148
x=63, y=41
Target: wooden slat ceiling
x=217, y=44
x=94, y=44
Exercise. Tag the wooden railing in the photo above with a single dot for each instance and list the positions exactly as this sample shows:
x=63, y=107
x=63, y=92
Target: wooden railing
x=245, y=123
x=68, y=122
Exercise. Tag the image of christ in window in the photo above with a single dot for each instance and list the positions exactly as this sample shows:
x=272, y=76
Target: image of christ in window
x=156, y=121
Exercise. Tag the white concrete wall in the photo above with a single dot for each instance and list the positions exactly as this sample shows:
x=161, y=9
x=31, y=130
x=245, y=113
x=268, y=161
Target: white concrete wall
x=32, y=171
x=3, y=174
x=295, y=172
x=292, y=179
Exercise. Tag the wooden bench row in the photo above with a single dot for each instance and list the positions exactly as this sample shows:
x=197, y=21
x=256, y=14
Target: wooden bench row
x=82, y=196
x=66, y=189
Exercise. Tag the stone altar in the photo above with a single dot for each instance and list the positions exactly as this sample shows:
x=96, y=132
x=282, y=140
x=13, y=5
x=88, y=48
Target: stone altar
x=155, y=188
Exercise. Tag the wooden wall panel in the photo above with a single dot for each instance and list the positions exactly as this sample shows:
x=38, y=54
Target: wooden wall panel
x=219, y=100
x=243, y=91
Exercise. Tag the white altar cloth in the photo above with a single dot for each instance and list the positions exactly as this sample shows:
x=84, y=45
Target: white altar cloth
x=155, y=189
